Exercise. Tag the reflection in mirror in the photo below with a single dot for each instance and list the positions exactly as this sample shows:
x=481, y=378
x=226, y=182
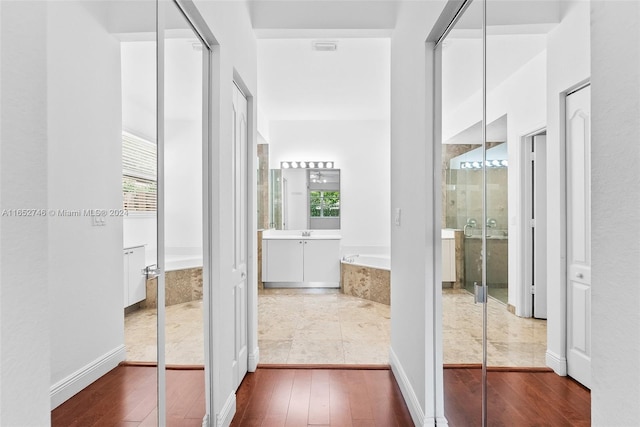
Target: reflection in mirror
x=463, y=192
x=324, y=199
x=462, y=189
x=309, y=198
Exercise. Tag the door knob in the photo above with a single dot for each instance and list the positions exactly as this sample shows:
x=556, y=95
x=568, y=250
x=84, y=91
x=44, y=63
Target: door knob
x=243, y=275
x=579, y=275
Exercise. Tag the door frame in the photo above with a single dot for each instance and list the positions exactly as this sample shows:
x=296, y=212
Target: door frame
x=565, y=218
x=556, y=354
x=253, y=352
x=524, y=307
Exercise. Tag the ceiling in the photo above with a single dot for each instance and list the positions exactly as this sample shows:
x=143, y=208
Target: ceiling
x=296, y=82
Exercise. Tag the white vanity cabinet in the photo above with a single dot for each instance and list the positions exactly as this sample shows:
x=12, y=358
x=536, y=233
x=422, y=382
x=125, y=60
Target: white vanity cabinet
x=135, y=289
x=301, y=262
x=283, y=260
x=449, y=260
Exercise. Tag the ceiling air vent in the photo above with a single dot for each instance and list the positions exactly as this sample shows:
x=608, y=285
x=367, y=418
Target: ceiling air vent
x=324, y=46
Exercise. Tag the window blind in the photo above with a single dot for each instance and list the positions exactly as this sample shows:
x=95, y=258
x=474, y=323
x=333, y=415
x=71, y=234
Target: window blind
x=139, y=185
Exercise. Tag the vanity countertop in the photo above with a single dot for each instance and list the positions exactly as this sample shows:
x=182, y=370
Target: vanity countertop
x=297, y=235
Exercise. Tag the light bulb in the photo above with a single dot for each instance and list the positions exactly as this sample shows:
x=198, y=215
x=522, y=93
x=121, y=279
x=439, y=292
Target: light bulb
x=285, y=165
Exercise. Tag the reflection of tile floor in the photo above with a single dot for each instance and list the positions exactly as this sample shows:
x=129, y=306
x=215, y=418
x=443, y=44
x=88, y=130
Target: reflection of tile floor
x=512, y=340
x=183, y=334
x=326, y=327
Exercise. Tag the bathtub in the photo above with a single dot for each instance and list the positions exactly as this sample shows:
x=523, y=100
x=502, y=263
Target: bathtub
x=183, y=277
x=367, y=277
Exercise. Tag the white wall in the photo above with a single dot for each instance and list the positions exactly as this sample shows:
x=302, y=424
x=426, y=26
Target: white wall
x=568, y=56
x=24, y=288
x=416, y=356
x=522, y=96
x=360, y=149
x=183, y=180
x=615, y=309
x=85, y=172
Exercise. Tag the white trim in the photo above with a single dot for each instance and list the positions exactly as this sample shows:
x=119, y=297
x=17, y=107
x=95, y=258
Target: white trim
x=410, y=398
x=556, y=362
x=205, y=421
x=254, y=359
x=80, y=379
x=223, y=419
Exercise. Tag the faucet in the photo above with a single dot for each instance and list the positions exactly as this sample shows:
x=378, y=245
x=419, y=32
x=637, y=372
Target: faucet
x=306, y=234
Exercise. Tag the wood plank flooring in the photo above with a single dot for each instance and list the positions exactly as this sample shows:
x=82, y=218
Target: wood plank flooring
x=515, y=398
x=326, y=397
x=336, y=396
x=127, y=396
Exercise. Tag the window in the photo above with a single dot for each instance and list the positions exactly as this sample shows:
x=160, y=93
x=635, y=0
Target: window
x=139, y=185
x=324, y=204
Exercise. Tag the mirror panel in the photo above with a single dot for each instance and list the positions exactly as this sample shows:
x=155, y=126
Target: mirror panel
x=183, y=54
x=462, y=204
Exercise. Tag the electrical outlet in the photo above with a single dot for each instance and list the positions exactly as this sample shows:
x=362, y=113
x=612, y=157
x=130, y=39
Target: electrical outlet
x=396, y=217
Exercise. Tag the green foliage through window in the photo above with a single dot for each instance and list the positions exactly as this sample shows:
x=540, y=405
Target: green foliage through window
x=324, y=204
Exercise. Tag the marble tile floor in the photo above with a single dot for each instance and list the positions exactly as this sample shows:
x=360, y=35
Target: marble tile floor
x=184, y=336
x=321, y=326
x=310, y=326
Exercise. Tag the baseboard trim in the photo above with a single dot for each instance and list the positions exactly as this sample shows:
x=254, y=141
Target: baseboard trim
x=205, y=421
x=323, y=366
x=225, y=416
x=254, y=359
x=556, y=362
x=410, y=398
x=441, y=421
x=68, y=387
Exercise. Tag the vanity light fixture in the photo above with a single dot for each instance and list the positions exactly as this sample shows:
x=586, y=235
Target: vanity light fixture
x=488, y=164
x=307, y=165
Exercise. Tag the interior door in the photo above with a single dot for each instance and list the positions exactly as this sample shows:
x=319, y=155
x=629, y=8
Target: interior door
x=538, y=240
x=578, y=132
x=240, y=218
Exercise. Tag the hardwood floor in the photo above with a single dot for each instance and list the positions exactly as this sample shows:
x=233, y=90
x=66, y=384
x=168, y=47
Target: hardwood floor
x=327, y=397
x=126, y=396
x=515, y=398
x=340, y=396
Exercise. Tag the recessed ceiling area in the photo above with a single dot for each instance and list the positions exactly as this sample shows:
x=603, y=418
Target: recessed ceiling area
x=296, y=82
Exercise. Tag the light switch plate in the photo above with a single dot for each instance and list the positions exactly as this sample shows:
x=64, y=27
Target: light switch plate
x=396, y=217
x=98, y=221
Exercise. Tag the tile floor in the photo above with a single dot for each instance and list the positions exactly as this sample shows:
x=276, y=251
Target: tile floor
x=183, y=334
x=308, y=326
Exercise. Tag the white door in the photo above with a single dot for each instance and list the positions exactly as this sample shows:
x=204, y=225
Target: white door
x=240, y=216
x=536, y=241
x=578, y=138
